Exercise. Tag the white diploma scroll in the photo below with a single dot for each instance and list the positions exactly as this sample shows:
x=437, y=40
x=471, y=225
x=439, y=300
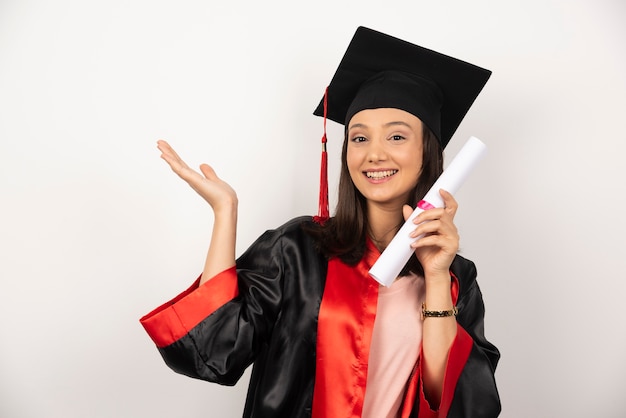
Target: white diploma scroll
x=395, y=256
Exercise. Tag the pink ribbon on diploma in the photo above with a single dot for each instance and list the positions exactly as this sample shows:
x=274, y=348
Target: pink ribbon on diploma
x=424, y=205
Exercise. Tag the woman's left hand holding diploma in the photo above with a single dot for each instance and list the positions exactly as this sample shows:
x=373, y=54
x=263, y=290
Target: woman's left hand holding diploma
x=435, y=250
x=440, y=239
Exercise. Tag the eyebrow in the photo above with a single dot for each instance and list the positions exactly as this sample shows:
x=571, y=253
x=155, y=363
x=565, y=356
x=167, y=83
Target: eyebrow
x=386, y=125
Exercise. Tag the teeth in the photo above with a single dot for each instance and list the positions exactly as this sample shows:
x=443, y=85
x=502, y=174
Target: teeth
x=380, y=174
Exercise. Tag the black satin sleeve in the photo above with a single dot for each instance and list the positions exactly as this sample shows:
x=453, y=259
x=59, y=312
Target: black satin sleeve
x=271, y=324
x=476, y=394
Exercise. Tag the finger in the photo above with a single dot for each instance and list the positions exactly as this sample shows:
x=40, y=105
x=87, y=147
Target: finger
x=448, y=245
x=448, y=211
x=165, y=147
x=450, y=203
x=171, y=157
x=429, y=215
x=168, y=151
x=426, y=228
x=441, y=226
x=161, y=143
x=437, y=227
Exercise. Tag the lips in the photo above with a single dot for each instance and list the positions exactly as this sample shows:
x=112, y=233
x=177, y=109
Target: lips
x=379, y=175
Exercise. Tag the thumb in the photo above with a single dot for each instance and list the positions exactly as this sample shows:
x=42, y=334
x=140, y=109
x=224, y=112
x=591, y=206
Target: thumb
x=208, y=172
x=407, y=211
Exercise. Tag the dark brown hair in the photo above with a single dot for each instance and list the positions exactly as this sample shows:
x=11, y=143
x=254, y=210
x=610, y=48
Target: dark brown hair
x=344, y=235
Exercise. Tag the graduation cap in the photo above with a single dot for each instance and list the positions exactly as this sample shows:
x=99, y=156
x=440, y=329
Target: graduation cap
x=381, y=71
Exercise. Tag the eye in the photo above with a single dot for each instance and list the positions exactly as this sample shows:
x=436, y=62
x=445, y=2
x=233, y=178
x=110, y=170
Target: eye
x=397, y=138
x=359, y=139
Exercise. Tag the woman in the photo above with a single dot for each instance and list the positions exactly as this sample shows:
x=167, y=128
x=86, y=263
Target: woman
x=326, y=340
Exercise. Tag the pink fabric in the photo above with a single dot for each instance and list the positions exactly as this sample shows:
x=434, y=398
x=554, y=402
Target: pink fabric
x=395, y=347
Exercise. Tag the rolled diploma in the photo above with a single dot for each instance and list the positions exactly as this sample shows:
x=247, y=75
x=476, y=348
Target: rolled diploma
x=388, y=266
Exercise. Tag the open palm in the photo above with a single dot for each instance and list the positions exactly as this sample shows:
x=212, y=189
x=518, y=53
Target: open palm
x=206, y=183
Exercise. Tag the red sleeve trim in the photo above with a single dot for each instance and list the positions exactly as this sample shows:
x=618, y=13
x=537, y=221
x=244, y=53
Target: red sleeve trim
x=411, y=392
x=457, y=357
x=454, y=288
x=173, y=320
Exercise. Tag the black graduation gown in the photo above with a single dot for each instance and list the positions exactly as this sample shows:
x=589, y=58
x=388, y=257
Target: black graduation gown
x=266, y=313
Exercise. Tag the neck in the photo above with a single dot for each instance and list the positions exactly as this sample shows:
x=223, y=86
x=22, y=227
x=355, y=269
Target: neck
x=384, y=222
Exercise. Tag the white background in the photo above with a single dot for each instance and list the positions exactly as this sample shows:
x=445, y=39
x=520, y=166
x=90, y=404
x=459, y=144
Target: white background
x=95, y=230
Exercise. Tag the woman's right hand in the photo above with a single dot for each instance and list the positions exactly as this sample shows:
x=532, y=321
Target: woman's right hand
x=207, y=184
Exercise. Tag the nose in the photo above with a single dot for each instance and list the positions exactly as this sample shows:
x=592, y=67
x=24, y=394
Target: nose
x=376, y=151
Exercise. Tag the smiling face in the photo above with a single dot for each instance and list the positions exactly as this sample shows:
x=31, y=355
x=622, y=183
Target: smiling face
x=384, y=154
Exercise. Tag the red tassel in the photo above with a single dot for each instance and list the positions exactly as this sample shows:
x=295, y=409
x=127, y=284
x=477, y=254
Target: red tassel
x=323, y=212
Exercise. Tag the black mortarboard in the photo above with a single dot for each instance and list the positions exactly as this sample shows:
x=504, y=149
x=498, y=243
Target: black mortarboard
x=378, y=70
